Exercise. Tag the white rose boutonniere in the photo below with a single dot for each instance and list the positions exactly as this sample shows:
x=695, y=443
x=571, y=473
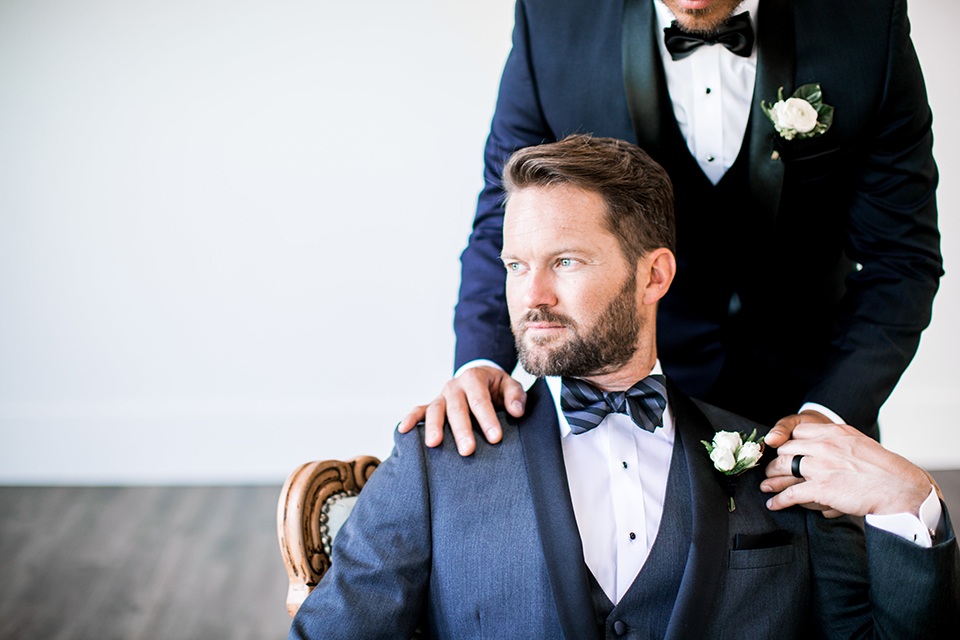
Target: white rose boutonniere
x=802, y=115
x=732, y=455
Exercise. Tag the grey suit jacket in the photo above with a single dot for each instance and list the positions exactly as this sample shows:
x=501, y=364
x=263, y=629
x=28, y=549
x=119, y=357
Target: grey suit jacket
x=488, y=547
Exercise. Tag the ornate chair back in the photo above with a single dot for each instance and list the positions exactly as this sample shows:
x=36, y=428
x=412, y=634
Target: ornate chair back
x=314, y=503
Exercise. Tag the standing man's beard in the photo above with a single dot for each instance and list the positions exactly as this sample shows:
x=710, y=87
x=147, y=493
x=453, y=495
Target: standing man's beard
x=707, y=20
x=605, y=348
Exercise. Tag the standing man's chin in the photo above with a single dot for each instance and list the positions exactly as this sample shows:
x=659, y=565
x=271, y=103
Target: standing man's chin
x=697, y=17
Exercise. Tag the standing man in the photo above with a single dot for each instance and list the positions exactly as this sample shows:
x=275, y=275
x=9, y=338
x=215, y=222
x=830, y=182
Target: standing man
x=806, y=266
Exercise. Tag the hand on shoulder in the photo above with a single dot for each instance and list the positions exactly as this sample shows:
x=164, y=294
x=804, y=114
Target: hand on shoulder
x=475, y=391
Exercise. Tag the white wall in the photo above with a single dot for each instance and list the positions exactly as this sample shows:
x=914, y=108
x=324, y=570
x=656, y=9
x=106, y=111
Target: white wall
x=223, y=223
x=921, y=420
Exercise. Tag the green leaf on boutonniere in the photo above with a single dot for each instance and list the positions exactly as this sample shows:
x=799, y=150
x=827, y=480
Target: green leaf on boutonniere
x=809, y=92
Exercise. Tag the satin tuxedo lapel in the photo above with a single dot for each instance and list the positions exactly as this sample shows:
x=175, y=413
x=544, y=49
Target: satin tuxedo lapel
x=706, y=564
x=559, y=535
x=776, y=63
x=643, y=78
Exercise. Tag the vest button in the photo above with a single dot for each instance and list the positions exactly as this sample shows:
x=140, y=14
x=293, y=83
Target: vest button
x=619, y=628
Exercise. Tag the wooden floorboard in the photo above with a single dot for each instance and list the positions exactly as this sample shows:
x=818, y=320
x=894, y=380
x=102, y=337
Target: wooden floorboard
x=154, y=563
x=150, y=563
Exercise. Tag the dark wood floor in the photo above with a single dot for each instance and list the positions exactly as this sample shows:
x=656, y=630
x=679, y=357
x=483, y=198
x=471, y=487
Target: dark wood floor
x=165, y=563
x=154, y=563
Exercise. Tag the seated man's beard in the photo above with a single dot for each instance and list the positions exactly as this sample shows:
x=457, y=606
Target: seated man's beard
x=605, y=348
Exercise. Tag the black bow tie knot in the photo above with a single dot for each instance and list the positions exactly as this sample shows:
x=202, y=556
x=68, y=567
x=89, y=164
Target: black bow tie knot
x=736, y=35
x=585, y=406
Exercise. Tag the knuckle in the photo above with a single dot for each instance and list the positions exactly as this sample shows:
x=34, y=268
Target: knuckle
x=477, y=399
x=472, y=375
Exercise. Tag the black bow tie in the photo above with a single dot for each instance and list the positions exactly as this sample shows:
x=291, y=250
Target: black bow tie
x=736, y=35
x=585, y=406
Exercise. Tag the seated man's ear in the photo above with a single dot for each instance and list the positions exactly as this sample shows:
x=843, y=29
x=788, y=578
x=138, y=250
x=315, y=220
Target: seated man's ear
x=657, y=270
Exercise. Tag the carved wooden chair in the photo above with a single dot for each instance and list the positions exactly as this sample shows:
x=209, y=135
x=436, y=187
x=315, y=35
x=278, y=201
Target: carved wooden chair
x=314, y=503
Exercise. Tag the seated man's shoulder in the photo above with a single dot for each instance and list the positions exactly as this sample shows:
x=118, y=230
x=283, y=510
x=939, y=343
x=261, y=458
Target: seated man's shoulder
x=448, y=447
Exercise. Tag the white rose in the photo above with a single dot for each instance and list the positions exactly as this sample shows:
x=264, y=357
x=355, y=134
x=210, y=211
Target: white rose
x=749, y=452
x=723, y=458
x=727, y=440
x=795, y=114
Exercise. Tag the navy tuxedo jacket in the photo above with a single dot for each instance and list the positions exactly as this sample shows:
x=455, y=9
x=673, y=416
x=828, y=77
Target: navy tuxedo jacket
x=803, y=278
x=488, y=547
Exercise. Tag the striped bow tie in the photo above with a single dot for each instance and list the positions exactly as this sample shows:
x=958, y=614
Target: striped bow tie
x=585, y=406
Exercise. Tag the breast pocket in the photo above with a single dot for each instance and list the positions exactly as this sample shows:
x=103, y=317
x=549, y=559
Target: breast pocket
x=818, y=163
x=758, y=558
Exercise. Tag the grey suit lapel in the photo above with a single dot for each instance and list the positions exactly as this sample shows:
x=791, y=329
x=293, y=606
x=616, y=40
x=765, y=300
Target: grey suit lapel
x=706, y=564
x=776, y=61
x=642, y=72
x=559, y=535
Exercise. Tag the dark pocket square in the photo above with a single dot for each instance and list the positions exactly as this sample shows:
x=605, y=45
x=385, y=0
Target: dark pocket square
x=756, y=550
x=759, y=558
x=779, y=538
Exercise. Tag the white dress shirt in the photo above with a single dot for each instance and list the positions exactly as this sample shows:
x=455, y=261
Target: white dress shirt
x=617, y=474
x=711, y=91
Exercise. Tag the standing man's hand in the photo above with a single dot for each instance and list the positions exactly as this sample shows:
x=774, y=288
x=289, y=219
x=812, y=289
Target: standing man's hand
x=846, y=472
x=782, y=431
x=477, y=391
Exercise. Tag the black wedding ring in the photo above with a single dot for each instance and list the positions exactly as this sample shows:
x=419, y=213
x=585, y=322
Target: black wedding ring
x=795, y=467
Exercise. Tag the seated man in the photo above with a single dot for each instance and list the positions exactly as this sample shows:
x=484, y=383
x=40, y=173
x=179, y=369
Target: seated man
x=600, y=512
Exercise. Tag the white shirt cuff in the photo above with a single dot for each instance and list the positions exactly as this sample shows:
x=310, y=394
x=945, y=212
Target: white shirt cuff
x=477, y=363
x=920, y=530
x=813, y=406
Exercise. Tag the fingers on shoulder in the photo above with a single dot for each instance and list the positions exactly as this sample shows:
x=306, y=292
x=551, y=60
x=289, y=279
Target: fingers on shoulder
x=436, y=415
x=417, y=414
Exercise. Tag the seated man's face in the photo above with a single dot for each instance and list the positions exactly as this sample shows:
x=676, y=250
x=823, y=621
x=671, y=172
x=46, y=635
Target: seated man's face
x=572, y=297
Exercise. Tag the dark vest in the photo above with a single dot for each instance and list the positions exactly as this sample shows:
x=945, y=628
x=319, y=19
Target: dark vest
x=722, y=269
x=712, y=222
x=644, y=610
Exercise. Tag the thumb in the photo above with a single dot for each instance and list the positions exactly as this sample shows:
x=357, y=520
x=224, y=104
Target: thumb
x=781, y=431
